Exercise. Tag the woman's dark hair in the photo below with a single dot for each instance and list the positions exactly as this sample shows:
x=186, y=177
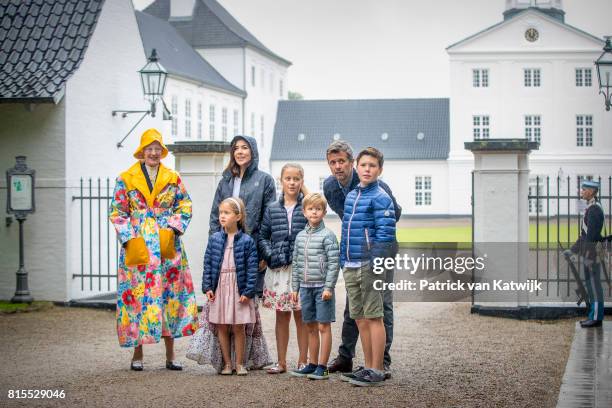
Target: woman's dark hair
x=232, y=166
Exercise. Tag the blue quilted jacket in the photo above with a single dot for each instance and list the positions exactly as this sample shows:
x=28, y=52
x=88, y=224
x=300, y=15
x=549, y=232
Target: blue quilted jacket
x=368, y=225
x=275, y=240
x=245, y=258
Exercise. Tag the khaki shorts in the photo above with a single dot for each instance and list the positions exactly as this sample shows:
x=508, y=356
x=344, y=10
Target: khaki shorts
x=365, y=302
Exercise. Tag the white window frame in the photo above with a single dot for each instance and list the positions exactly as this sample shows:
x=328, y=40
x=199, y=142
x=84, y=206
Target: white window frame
x=533, y=128
x=321, y=183
x=199, y=135
x=271, y=82
x=236, y=122
x=174, y=112
x=481, y=127
x=584, y=77
x=253, y=124
x=281, y=86
x=262, y=129
x=422, y=191
x=187, y=118
x=253, y=75
x=534, y=189
x=532, y=77
x=224, y=123
x=480, y=78
x=211, y=121
x=584, y=130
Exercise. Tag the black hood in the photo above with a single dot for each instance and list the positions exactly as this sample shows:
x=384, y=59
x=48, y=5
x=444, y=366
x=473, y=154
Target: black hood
x=254, y=165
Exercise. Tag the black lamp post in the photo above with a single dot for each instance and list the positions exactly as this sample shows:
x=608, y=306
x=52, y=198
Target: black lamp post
x=153, y=78
x=604, y=72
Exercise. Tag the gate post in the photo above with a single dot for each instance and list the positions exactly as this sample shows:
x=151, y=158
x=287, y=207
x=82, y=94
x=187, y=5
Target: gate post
x=200, y=164
x=501, y=217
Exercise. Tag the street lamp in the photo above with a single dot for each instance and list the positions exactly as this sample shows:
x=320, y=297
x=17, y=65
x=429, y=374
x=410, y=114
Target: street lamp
x=604, y=72
x=153, y=78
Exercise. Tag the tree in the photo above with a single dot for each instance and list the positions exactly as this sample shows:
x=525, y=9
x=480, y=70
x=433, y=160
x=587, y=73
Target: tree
x=295, y=96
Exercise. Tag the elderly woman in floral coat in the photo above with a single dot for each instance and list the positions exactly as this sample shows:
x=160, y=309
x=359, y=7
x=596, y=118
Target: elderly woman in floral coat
x=150, y=211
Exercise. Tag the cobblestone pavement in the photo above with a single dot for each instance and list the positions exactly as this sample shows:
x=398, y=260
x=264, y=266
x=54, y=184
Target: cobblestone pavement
x=443, y=357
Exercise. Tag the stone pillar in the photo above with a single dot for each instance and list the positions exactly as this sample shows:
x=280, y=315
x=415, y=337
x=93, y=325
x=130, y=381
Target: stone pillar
x=501, y=215
x=200, y=165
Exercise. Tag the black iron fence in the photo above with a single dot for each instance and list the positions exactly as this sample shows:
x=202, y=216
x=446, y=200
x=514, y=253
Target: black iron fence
x=99, y=247
x=556, y=212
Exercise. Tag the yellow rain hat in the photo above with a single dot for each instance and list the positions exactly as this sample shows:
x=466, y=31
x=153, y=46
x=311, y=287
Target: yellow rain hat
x=149, y=136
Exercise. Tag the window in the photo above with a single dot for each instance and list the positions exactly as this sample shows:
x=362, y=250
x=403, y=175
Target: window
x=532, y=77
x=480, y=78
x=533, y=128
x=211, y=118
x=321, y=183
x=281, y=88
x=174, y=110
x=271, y=82
x=279, y=188
x=187, y=118
x=199, y=120
x=584, y=130
x=480, y=127
x=535, y=189
x=224, y=123
x=236, y=131
x=253, y=76
x=584, y=77
x=262, y=78
x=262, y=130
x=422, y=188
x=252, y=124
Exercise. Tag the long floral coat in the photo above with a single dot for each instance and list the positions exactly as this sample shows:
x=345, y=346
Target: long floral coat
x=156, y=299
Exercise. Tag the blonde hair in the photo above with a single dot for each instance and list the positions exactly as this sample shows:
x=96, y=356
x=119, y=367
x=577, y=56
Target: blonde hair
x=300, y=170
x=314, y=199
x=237, y=206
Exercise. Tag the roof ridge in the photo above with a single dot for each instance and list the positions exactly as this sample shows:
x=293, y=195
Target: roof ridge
x=366, y=99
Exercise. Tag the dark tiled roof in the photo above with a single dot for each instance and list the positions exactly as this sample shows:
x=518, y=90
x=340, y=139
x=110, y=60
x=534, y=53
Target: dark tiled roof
x=177, y=56
x=210, y=26
x=362, y=123
x=43, y=43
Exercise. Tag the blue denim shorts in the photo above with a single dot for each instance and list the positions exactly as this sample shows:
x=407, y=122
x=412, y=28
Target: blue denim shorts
x=314, y=308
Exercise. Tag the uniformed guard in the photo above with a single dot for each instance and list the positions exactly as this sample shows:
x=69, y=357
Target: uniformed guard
x=586, y=248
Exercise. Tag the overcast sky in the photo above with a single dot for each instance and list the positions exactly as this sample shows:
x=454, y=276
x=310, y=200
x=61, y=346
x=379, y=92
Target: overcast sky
x=349, y=49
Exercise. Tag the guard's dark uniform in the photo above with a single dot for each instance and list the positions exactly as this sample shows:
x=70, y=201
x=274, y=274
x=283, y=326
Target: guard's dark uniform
x=585, y=246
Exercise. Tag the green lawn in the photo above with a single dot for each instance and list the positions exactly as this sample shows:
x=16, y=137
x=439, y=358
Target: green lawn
x=464, y=233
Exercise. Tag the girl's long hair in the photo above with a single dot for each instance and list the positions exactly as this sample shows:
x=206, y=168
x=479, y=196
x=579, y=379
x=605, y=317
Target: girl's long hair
x=237, y=206
x=300, y=169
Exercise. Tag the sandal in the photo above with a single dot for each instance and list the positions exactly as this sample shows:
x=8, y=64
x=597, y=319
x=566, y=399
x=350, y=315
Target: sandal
x=276, y=369
x=136, y=365
x=240, y=370
x=227, y=370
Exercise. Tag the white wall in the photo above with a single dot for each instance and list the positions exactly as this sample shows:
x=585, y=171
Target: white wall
x=183, y=90
x=228, y=61
x=96, y=89
x=39, y=135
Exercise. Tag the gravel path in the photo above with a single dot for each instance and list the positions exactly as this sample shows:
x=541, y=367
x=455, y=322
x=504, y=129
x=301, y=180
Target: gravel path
x=443, y=357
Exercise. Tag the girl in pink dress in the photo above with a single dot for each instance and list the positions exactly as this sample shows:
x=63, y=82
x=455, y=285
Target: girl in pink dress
x=229, y=282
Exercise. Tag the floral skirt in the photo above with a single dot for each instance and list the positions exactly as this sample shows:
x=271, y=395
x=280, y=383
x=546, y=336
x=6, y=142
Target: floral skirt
x=277, y=290
x=204, y=347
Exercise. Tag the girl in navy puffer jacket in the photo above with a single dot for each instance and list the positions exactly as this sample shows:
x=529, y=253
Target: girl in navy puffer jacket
x=281, y=223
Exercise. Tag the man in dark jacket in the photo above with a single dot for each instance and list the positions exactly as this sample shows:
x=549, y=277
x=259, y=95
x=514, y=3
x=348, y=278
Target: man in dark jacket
x=586, y=247
x=336, y=187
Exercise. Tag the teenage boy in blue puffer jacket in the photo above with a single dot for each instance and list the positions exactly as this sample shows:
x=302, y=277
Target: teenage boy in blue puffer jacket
x=368, y=231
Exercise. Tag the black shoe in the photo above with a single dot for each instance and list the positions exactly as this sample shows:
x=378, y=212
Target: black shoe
x=136, y=365
x=340, y=365
x=387, y=371
x=171, y=365
x=591, y=323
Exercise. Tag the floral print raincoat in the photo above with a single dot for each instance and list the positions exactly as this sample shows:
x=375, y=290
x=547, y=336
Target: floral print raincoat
x=157, y=298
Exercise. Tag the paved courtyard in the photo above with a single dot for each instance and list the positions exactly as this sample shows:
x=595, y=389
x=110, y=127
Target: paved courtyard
x=443, y=356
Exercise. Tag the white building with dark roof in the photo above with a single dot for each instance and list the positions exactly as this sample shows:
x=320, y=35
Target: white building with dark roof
x=241, y=58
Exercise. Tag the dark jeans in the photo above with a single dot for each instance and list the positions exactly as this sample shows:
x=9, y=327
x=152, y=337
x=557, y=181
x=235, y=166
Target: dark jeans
x=350, y=332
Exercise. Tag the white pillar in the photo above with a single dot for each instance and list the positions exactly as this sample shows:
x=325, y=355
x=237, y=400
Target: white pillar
x=200, y=165
x=501, y=215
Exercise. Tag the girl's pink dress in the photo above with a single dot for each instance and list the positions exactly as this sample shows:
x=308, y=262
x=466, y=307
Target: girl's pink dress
x=226, y=308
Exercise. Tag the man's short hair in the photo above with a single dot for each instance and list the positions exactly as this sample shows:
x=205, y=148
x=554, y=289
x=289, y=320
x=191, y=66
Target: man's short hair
x=374, y=152
x=340, y=146
x=314, y=199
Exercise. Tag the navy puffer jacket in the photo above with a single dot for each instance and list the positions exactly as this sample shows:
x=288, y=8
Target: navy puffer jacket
x=245, y=258
x=368, y=225
x=257, y=189
x=275, y=240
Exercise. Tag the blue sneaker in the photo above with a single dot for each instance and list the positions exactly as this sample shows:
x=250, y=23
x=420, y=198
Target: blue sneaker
x=320, y=373
x=349, y=376
x=309, y=369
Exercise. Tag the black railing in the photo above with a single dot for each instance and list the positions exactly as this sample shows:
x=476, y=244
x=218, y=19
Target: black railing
x=97, y=236
x=562, y=225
